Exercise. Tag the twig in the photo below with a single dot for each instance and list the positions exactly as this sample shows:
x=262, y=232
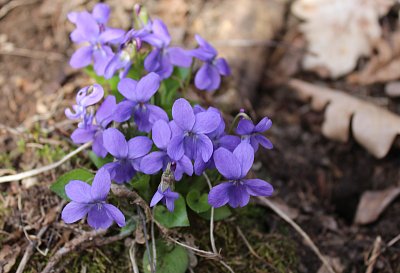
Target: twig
x=153, y=242
x=14, y=4
x=43, y=169
x=246, y=242
x=374, y=255
x=71, y=246
x=132, y=256
x=388, y=245
x=29, y=250
x=142, y=217
x=305, y=236
x=212, y=240
x=199, y=252
x=227, y=266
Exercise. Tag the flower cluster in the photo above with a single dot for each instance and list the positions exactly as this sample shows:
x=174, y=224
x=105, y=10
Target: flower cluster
x=140, y=136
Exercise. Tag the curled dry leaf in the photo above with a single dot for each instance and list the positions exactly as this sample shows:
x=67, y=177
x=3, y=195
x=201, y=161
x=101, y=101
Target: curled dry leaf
x=339, y=32
x=373, y=127
x=373, y=203
x=383, y=66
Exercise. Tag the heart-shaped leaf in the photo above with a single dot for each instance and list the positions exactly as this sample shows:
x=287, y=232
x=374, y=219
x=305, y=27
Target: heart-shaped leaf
x=219, y=213
x=177, y=218
x=79, y=174
x=197, y=202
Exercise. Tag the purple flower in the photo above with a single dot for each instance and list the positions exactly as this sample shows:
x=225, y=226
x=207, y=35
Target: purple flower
x=101, y=13
x=86, y=97
x=190, y=132
x=218, y=138
x=94, y=132
x=208, y=77
x=162, y=58
x=253, y=134
x=91, y=200
x=155, y=161
x=127, y=154
x=168, y=198
x=234, y=167
x=137, y=103
x=98, y=37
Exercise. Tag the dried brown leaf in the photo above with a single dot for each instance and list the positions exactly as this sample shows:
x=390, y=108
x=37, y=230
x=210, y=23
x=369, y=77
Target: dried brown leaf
x=8, y=257
x=373, y=203
x=373, y=127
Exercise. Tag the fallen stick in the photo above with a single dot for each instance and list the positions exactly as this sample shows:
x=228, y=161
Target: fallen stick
x=19, y=176
x=376, y=250
x=303, y=234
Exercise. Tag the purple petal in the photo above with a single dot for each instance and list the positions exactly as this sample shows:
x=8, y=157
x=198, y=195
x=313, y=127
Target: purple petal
x=98, y=217
x=179, y=57
x=258, y=187
x=263, y=125
x=204, y=44
x=207, y=78
x=114, y=213
x=245, y=155
x=101, y=13
x=78, y=191
x=115, y=143
x=206, y=122
x=96, y=94
x=73, y=212
x=123, y=111
x=229, y=142
x=238, y=196
x=245, y=127
x=104, y=113
x=200, y=166
x=218, y=195
x=147, y=87
x=156, y=113
x=73, y=16
x=111, y=35
x=81, y=135
x=152, y=163
x=223, y=67
x=101, y=59
x=141, y=115
x=215, y=78
x=156, y=198
x=183, y=114
x=190, y=146
x=265, y=142
x=153, y=60
x=127, y=87
x=88, y=25
x=161, y=31
x=161, y=134
x=204, y=147
x=77, y=36
x=82, y=57
x=227, y=164
x=139, y=146
x=101, y=185
x=120, y=172
x=175, y=148
x=184, y=165
x=170, y=198
x=98, y=146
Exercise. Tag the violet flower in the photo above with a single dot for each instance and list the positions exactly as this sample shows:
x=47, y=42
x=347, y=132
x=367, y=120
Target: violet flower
x=91, y=200
x=218, y=138
x=168, y=198
x=253, y=133
x=137, y=103
x=85, y=97
x=162, y=58
x=155, y=161
x=127, y=154
x=94, y=132
x=234, y=167
x=88, y=30
x=190, y=132
x=209, y=75
x=101, y=13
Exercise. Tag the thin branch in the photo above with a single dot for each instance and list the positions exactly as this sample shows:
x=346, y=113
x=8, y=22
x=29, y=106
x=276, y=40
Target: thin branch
x=246, y=242
x=132, y=256
x=142, y=217
x=305, y=236
x=212, y=240
x=153, y=242
x=43, y=169
x=376, y=250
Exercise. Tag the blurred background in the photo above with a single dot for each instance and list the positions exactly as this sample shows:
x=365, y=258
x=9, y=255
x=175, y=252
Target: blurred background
x=327, y=72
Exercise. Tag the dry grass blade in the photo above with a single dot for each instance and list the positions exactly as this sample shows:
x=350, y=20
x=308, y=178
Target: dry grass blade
x=373, y=127
x=303, y=234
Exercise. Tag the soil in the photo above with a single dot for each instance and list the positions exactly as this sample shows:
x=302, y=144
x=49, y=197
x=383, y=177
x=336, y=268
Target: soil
x=320, y=178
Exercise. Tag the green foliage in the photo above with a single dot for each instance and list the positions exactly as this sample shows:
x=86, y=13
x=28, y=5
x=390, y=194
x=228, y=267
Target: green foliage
x=170, y=258
x=197, y=202
x=177, y=218
x=219, y=213
x=79, y=174
x=141, y=183
x=99, y=161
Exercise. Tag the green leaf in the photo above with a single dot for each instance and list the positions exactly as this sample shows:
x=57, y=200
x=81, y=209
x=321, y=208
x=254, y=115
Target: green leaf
x=170, y=258
x=141, y=183
x=177, y=218
x=129, y=227
x=219, y=213
x=99, y=161
x=79, y=174
x=197, y=202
